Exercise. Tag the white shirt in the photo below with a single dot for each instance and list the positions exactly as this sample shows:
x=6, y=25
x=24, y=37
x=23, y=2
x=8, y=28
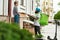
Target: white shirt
x=36, y=21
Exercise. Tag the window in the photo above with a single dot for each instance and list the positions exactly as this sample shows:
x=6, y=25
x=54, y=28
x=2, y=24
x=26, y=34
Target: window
x=22, y=2
x=46, y=3
x=32, y=5
x=51, y=4
x=44, y=9
x=4, y=7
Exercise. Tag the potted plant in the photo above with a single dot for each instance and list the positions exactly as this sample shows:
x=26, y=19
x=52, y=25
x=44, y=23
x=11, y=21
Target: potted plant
x=57, y=17
x=39, y=37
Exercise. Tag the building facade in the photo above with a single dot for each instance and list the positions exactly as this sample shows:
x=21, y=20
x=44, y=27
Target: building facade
x=25, y=7
x=47, y=7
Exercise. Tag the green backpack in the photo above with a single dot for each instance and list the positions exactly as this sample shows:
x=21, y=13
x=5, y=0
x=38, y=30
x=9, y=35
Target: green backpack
x=43, y=19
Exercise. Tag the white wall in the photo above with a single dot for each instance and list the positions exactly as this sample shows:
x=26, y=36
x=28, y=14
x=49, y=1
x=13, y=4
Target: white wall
x=29, y=6
x=23, y=8
x=41, y=1
x=6, y=7
x=34, y=5
x=1, y=7
x=55, y=5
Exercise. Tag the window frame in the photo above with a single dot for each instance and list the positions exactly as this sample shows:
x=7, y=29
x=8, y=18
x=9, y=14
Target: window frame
x=22, y=3
x=32, y=5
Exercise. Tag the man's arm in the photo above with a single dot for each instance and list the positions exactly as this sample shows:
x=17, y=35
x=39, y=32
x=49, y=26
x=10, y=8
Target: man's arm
x=32, y=16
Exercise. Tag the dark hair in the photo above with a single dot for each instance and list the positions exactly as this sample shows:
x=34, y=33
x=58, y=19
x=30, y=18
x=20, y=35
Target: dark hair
x=15, y=2
x=36, y=12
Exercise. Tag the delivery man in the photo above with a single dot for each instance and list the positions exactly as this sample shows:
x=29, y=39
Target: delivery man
x=36, y=21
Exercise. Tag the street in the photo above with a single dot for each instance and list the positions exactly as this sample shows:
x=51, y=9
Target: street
x=49, y=30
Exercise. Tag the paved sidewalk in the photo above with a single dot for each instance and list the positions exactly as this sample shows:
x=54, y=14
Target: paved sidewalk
x=49, y=30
